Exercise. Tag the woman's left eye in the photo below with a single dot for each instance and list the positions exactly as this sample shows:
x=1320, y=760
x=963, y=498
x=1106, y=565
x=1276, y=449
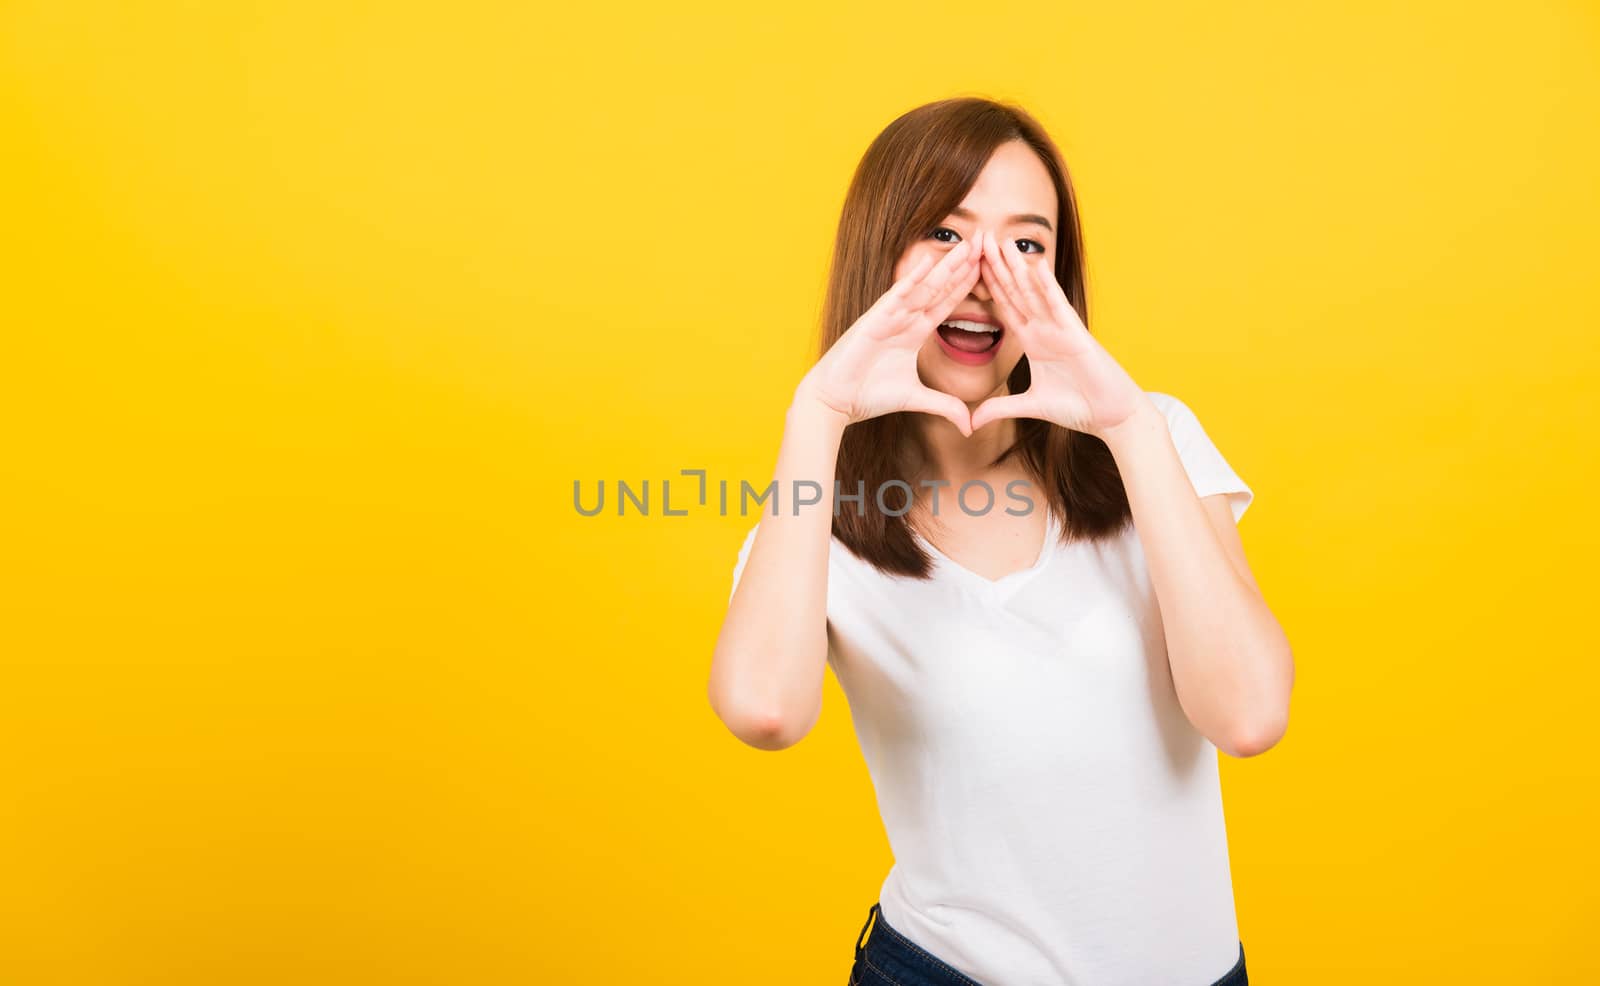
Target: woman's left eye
x=1034, y=242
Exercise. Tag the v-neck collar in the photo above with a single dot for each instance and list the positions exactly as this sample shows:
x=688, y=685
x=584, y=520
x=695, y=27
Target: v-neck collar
x=1007, y=584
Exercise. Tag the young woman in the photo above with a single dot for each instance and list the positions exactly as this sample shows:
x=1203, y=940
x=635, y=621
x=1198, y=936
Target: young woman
x=1043, y=646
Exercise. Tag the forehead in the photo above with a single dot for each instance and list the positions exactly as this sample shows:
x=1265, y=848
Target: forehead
x=1013, y=181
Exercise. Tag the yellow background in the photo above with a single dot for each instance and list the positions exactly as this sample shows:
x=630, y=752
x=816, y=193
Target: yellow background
x=313, y=313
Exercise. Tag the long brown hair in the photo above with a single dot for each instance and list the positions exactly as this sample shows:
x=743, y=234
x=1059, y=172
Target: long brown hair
x=913, y=175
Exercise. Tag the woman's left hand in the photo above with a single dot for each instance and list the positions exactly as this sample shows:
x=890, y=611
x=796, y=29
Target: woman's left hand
x=1074, y=382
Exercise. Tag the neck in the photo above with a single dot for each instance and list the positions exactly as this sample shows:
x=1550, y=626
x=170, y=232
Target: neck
x=955, y=458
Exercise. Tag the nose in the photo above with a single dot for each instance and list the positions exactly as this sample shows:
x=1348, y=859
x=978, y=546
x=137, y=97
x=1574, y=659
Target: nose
x=980, y=290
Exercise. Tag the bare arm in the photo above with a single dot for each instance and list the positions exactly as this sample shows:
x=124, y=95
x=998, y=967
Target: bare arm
x=771, y=654
x=1231, y=663
x=768, y=665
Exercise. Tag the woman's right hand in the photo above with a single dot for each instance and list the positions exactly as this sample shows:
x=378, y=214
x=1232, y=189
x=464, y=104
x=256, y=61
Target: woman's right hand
x=872, y=368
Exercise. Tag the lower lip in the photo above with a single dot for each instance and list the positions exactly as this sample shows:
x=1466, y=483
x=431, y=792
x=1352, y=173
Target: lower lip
x=966, y=358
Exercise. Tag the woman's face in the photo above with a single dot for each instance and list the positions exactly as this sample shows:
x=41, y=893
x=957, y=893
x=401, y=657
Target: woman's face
x=1015, y=200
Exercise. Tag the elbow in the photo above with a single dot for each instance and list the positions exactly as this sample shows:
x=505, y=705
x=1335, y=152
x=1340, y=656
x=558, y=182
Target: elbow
x=1255, y=737
x=759, y=726
x=1255, y=734
x=769, y=732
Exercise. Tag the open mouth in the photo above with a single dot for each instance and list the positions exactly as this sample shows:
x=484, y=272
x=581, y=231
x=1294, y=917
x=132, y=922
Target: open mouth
x=971, y=343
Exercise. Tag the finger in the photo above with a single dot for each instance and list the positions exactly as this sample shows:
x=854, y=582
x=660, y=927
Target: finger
x=933, y=284
x=1011, y=316
x=908, y=315
x=958, y=288
x=1060, y=307
x=901, y=288
x=893, y=305
x=929, y=401
x=938, y=308
x=1004, y=278
x=1022, y=272
x=996, y=408
x=906, y=293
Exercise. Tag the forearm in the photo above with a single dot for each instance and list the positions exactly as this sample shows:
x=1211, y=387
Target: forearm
x=1230, y=659
x=768, y=665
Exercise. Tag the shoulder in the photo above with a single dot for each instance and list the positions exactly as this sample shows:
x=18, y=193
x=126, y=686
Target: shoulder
x=1207, y=467
x=1171, y=407
x=1182, y=420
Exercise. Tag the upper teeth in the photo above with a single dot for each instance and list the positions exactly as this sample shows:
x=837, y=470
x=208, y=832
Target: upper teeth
x=961, y=323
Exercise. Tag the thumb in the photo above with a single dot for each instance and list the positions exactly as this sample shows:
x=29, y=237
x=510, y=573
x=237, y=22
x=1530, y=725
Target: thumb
x=995, y=408
x=935, y=402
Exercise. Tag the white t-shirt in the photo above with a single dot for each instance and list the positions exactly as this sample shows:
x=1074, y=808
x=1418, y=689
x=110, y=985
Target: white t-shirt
x=1054, y=817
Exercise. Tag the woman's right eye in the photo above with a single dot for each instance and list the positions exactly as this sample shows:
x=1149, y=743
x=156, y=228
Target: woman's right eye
x=945, y=229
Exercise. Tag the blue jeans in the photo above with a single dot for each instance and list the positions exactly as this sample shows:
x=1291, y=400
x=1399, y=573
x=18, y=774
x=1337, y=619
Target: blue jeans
x=891, y=959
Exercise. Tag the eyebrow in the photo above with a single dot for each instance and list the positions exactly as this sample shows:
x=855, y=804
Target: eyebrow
x=1022, y=217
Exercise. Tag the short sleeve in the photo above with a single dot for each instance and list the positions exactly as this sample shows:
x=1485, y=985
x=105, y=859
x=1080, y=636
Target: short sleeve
x=744, y=556
x=1208, y=470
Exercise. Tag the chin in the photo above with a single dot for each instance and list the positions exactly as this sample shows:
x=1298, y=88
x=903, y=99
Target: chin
x=969, y=384
x=970, y=390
